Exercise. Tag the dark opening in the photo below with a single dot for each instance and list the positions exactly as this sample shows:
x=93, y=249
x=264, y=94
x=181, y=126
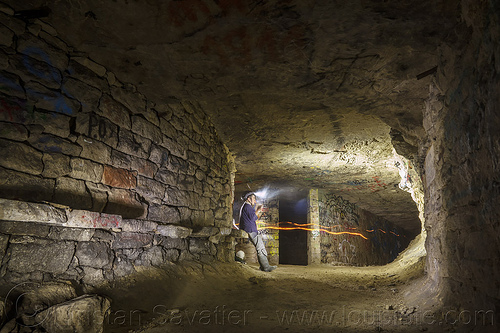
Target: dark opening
x=293, y=243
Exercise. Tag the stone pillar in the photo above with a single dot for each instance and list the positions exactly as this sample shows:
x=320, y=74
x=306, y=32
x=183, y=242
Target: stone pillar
x=313, y=237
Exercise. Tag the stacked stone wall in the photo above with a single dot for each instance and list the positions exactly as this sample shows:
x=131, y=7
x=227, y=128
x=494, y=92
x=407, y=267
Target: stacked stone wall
x=350, y=235
x=74, y=137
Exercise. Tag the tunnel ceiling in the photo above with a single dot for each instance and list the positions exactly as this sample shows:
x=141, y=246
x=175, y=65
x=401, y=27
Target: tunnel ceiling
x=304, y=93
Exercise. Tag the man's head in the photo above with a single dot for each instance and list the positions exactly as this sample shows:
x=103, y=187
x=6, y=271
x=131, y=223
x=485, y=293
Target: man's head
x=250, y=198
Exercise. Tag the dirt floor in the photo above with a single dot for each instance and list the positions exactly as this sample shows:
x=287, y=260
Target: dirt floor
x=237, y=297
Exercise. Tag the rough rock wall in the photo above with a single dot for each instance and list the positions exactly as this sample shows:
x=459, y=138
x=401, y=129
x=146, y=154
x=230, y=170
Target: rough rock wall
x=462, y=120
x=365, y=239
x=72, y=134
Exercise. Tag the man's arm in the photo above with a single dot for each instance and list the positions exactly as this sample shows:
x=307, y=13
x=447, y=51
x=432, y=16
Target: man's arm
x=258, y=211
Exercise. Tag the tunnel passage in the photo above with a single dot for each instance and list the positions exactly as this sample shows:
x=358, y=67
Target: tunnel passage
x=114, y=174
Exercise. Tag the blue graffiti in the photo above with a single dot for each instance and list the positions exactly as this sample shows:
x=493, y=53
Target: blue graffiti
x=58, y=99
x=52, y=75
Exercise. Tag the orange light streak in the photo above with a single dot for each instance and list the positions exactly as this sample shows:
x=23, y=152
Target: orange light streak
x=302, y=226
x=321, y=229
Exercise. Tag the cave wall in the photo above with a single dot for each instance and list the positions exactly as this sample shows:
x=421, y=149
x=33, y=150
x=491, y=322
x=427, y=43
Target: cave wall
x=462, y=156
x=74, y=138
x=383, y=240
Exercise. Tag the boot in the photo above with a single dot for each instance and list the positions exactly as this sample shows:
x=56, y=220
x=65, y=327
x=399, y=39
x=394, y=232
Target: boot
x=264, y=263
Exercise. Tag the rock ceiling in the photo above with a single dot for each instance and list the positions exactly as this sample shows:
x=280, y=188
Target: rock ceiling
x=304, y=93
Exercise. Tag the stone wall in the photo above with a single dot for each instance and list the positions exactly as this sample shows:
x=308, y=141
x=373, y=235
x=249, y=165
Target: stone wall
x=462, y=159
x=76, y=138
x=353, y=236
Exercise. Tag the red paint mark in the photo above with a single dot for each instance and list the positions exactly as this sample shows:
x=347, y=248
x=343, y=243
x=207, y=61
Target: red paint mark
x=186, y=10
x=6, y=108
x=240, y=45
x=229, y=5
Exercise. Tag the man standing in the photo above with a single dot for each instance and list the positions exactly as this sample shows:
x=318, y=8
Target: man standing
x=248, y=216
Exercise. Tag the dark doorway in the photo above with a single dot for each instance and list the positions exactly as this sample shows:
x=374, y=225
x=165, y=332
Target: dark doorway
x=293, y=243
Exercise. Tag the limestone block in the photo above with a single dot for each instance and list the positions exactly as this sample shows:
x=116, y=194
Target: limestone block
x=94, y=150
x=87, y=95
x=52, y=123
x=37, y=297
x=34, y=29
x=103, y=235
x=52, y=257
x=175, y=197
x=16, y=25
x=75, y=234
x=87, y=219
x=199, y=245
x=151, y=115
x=177, y=123
x=114, y=111
x=85, y=314
x=53, y=40
x=6, y=9
x=167, y=128
x=193, y=146
x=133, y=144
x=21, y=157
x=143, y=167
x=13, y=131
x=166, y=177
x=34, y=47
x=135, y=102
x=99, y=194
x=146, y=129
x=85, y=170
x=174, y=147
x=13, y=210
x=122, y=267
x=121, y=178
x=159, y=155
x=111, y=78
x=53, y=144
x=142, y=226
x=185, y=214
x=163, y=213
x=198, y=160
x=10, y=85
x=236, y=233
x=174, y=243
x=173, y=231
x=124, y=203
x=93, y=254
x=83, y=73
x=215, y=238
x=186, y=183
x=171, y=255
x=46, y=27
x=131, y=240
x=18, y=185
x=153, y=256
x=205, y=232
x=121, y=160
x=55, y=165
x=72, y=192
x=150, y=188
x=93, y=66
x=30, y=69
